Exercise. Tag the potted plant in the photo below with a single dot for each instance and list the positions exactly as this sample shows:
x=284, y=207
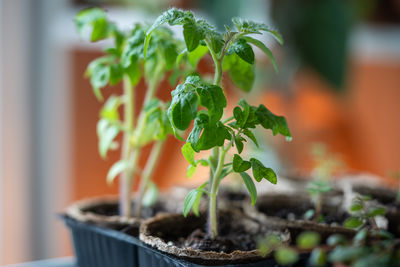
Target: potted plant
x=123, y=62
x=201, y=239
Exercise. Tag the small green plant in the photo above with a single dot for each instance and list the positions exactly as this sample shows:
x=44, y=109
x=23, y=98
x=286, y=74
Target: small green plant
x=325, y=166
x=204, y=103
x=316, y=189
x=287, y=255
x=363, y=252
x=124, y=62
x=360, y=251
x=363, y=211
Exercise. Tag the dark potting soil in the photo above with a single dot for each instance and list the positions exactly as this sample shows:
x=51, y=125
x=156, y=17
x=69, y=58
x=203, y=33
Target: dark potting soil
x=112, y=209
x=232, y=236
x=292, y=211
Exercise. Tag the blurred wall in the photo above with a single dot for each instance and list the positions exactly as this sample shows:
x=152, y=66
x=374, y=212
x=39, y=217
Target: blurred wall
x=34, y=147
x=15, y=135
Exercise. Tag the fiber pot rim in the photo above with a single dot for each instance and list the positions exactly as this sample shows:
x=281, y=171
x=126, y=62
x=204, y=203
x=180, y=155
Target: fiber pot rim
x=76, y=211
x=147, y=237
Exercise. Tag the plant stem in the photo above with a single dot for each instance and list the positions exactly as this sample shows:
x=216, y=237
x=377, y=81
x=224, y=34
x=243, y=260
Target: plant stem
x=147, y=174
x=141, y=122
x=217, y=63
x=318, y=207
x=228, y=119
x=126, y=176
x=217, y=157
x=213, y=217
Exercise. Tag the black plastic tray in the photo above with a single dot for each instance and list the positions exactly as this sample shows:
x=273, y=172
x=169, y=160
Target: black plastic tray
x=101, y=247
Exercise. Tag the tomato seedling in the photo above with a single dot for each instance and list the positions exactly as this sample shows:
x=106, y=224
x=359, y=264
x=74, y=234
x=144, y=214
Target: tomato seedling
x=205, y=103
x=124, y=62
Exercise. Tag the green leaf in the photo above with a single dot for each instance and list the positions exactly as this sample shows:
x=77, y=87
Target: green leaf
x=241, y=72
x=117, y=168
x=173, y=17
x=250, y=135
x=217, y=41
x=345, y=253
x=356, y=207
x=212, y=97
x=247, y=26
x=318, y=187
x=190, y=170
x=376, y=259
x=197, y=54
x=106, y=133
x=361, y=236
x=150, y=195
x=94, y=21
x=99, y=72
x=170, y=55
x=243, y=50
x=250, y=187
x=202, y=162
x=192, y=200
x=183, y=108
x=109, y=111
x=116, y=73
x=307, y=240
x=133, y=49
x=156, y=124
x=286, y=256
x=134, y=73
x=245, y=118
x=268, y=244
x=239, y=143
x=240, y=165
x=188, y=153
x=263, y=48
x=353, y=222
x=376, y=211
x=205, y=135
x=268, y=120
x=318, y=257
x=192, y=35
x=259, y=171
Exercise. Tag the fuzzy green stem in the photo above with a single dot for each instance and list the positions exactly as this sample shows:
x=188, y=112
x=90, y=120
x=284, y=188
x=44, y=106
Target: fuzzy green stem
x=147, y=174
x=217, y=65
x=213, y=216
x=217, y=157
x=126, y=176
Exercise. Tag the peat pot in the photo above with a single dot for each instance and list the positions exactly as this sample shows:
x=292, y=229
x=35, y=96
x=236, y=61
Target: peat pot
x=173, y=240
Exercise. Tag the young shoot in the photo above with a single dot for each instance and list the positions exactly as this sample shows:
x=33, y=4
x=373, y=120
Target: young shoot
x=364, y=211
x=286, y=255
x=205, y=104
x=325, y=166
x=124, y=63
